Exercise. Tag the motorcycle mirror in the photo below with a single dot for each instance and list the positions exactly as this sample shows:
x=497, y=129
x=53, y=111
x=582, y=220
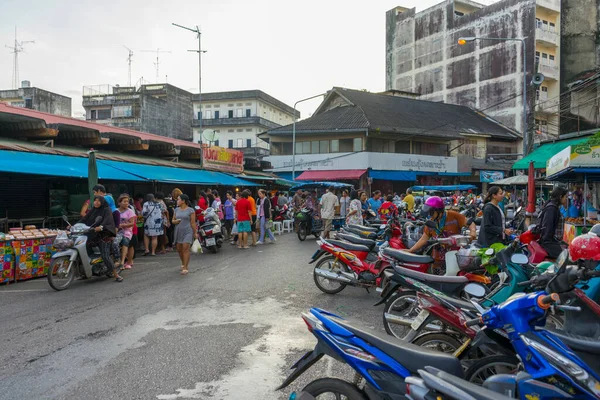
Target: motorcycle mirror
x=430, y=224
x=64, y=217
x=382, y=226
x=531, y=227
x=520, y=259
x=519, y=209
x=489, y=252
x=475, y=290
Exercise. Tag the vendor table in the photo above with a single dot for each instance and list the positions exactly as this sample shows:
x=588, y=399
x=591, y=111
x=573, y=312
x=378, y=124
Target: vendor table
x=25, y=257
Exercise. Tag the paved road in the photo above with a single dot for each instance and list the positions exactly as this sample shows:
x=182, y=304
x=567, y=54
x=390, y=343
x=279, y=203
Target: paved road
x=230, y=329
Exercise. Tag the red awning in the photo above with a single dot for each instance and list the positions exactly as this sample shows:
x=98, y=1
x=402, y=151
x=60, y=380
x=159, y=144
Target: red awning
x=331, y=175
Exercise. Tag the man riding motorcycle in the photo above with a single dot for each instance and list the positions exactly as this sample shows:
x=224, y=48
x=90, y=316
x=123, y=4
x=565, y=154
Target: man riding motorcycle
x=448, y=222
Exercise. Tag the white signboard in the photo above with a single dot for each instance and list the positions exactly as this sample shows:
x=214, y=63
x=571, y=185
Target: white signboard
x=558, y=162
x=364, y=160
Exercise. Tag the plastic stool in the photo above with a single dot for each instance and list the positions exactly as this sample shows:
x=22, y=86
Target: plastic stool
x=277, y=226
x=288, y=225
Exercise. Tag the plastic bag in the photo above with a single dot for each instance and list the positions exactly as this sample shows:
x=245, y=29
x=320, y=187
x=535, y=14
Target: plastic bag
x=196, y=247
x=234, y=230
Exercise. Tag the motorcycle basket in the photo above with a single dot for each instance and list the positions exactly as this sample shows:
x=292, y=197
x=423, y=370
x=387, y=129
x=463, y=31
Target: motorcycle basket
x=468, y=262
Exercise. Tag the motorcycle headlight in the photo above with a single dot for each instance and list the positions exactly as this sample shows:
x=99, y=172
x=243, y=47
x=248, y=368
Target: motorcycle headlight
x=565, y=365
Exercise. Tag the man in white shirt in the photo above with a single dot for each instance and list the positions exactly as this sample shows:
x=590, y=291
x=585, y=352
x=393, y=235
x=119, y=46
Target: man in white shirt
x=328, y=203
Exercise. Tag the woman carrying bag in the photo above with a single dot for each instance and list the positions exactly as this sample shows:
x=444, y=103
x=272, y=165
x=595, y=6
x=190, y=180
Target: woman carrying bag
x=184, y=220
x=264, y=215
x=493, y=227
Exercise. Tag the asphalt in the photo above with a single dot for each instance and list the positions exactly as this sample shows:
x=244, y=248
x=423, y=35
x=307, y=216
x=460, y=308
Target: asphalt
x=230, y=329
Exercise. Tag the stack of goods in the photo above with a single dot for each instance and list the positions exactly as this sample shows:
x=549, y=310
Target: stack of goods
x=7, y=259
x=32, y=251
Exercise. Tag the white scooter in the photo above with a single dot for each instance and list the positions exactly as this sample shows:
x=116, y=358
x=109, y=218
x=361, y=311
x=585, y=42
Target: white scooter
x=72, y=258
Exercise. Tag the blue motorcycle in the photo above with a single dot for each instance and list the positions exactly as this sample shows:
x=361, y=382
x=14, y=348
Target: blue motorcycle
x=382, y=362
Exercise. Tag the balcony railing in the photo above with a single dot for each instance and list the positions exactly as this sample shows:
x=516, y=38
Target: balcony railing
x=546, y=36
x=236, y=121
x=255, y=152
x=549, y=71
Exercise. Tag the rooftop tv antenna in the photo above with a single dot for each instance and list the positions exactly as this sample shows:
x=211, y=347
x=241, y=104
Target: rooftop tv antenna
x=17, y=47
x=157, y=63
x=129, y=58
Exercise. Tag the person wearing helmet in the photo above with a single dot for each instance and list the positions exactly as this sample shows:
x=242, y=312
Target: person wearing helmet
x=448, y=222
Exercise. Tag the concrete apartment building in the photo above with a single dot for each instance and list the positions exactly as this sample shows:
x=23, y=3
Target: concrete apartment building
x=37, y=99
x=161, y=109
x=423, y=56
x=237, y=117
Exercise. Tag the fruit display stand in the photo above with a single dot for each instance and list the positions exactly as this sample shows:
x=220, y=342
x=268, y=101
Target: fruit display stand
x=32, y=252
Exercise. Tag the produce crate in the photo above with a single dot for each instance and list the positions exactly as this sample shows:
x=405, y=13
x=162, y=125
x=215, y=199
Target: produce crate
x=32, y=257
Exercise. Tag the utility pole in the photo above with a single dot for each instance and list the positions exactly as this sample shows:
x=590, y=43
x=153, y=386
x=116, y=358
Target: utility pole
x=17, y=47
x=129, y=64
x=199, y=51
x=157, y=63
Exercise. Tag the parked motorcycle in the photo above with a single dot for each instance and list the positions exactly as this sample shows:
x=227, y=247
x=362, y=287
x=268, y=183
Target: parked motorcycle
x=211, y=235
x=72, y=258
x=308, y=224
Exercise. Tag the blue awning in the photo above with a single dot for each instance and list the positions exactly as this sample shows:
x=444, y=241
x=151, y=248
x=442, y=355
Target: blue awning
x=393, y=175
x=444, y=188
x=443, y=173
x=56, y=165
x=177, y=175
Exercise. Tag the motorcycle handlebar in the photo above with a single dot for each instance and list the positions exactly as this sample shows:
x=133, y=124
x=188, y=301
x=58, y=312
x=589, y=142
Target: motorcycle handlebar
x=525, y=283
x=473, y=322
x=546, y=301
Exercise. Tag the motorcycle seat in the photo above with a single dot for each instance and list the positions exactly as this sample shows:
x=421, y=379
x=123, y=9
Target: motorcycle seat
x=405, y=256
x=362, y=228
x=423, y=277
x=410, y=356
x=457, y=302
x=578, y=343
x=348, y=246
x=476, y=391
x=362, y=234
x=357, y=240
x=371, y=258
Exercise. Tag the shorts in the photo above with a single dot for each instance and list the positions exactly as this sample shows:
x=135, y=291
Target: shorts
x=253, y=226
x=125, y=241
x=244, y=226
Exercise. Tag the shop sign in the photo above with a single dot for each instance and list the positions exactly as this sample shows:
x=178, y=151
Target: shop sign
x=584, y=155
x=559, y=162
x=221, y=159
x=490, y=176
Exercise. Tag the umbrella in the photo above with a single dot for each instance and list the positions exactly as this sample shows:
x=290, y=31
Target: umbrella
x=531, y=189
x=92, y=172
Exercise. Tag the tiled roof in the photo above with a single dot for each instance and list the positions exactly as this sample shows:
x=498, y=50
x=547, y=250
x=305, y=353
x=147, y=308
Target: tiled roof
x=245, y=94
x=391, y=114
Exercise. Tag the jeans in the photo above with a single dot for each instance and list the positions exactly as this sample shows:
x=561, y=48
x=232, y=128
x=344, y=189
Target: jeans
x=264, y=229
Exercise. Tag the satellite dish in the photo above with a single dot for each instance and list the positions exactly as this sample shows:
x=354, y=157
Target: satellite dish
x=537, y=80
x=210, y=136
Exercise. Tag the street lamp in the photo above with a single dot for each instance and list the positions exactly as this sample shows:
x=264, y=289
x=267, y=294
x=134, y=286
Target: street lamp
x=463, y=40
x=294, y=133
x=199, y=51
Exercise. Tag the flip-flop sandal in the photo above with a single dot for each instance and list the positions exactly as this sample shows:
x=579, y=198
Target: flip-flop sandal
x=119, y=279
x=146, y=253
x=240, y=247
x=245, y=247
x=184, y=272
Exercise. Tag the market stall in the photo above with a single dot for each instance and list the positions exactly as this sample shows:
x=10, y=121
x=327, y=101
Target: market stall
x=577, y=164
x=25, y=253
x=338, y=220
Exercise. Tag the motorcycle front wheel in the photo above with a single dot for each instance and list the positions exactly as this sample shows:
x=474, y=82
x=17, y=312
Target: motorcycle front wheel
x=402, y=304
x=60, y=276
x=325, y=285
x=327, y=388
x=213, y=249
x=302, y=232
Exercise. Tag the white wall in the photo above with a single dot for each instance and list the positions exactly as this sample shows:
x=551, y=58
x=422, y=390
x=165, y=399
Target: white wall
x=224, y=135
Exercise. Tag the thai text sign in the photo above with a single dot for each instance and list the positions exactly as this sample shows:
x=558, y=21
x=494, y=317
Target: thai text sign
x=221, y=159
x=559, y=162
x=490, y=176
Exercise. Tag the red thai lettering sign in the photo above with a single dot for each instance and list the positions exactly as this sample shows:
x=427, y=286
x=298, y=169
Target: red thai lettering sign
x=221, y=159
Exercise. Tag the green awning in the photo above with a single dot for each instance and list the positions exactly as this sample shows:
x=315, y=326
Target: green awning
x=545, y=152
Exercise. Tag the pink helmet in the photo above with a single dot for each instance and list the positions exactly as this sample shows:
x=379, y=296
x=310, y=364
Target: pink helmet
x=434, y=203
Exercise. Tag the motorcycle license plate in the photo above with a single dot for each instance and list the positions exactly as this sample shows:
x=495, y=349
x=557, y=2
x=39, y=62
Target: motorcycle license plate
x=419, y=320
x=211, y=242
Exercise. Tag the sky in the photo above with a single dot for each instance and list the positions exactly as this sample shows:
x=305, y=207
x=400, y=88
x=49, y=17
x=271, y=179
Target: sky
x=290, y=50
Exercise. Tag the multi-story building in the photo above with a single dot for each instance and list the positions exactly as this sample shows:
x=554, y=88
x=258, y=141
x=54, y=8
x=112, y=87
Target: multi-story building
x=423, y=56
x=238, y=117
x=161, y=109
x=37, y=99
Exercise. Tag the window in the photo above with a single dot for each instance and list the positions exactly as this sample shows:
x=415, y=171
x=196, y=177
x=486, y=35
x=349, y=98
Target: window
x=216, y=114
x=545, y=89
x=230, y=113
x=230, y=105
x=239, y=113
x=93, y=114
x=402, y=147
x=230, y=130
x=208, y=114
x=537, y=57
x=357, y=144
x=324, y=146
x=552, y=27
x=102, y=114
x=302, y=147
x=430, y=149
x=29, y=103
x=551, y=57
x=239, y=130
x=248, y=129
x=239, y=104
x=345, y=145
x=216, y=142
x=122, y=111
x=335, y=146
x=458, y=13
x=314, y=147
x=248, y=142
x=199, y=114
x=230, y=145
x=248, y=111
x=240, y=143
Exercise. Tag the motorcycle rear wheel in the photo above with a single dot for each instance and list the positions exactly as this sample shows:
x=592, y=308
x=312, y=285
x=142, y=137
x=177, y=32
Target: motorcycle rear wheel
x=334, y=286
x=58, y=277
x=401, y=304
x=482, y=369
x=335, y=387
x=442, y=342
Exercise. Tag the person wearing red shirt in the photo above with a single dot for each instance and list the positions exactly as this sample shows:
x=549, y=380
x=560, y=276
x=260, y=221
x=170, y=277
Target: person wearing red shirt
x=244, y=219
x=388, y=209
x=253, y=221
x=202, y=205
